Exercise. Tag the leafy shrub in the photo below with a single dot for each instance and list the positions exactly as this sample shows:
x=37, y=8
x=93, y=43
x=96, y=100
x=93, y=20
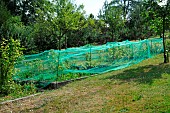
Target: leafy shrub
x=10, y=51
x=22, y=90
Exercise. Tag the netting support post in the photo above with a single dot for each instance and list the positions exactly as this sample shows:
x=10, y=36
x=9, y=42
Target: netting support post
x=58, y=65
x=132, y=51
x=149, y=49
x=167, y=56
x=58, y=58
x=165, y=60
x=90, y=56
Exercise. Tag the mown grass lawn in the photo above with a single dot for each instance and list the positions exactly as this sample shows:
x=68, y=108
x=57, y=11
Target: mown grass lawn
x=141, y=88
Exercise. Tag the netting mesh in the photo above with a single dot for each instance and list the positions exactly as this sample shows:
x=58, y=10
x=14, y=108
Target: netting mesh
x=55, y=65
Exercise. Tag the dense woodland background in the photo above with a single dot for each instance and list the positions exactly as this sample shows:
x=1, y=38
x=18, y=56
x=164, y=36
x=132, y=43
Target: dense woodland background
x=41, y=25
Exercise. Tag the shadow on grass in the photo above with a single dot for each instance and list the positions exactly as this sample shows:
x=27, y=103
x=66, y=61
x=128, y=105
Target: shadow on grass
x=144, y=74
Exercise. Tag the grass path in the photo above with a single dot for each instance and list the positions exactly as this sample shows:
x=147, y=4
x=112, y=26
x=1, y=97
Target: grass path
x=141, y=88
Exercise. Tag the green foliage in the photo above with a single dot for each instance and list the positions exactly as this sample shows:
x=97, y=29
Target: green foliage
x=22, y=90
x=168, y=45
x=42, y=36
x=26, y=9
x=112, y=15
x=12, y=27
x=137, y=97
x=69, y=18
x=5, y=14
x=43, y=25
x=9, y=52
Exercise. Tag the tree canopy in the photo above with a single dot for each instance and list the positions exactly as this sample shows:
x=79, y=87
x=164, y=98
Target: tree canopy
x=55, y=24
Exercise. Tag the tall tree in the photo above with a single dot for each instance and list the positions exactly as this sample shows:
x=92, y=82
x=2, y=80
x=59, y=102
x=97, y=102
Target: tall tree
x=68, y=17
x=112, y=15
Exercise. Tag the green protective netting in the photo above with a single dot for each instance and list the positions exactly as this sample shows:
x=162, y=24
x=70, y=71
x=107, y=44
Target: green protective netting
x=71, y=63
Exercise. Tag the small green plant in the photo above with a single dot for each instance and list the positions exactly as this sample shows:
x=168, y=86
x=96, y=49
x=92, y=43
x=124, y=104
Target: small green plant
x=87, y=55
x=136, y=97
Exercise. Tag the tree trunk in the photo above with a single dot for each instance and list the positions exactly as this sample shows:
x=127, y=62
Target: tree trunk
x=59, y=43
x=65, y=42
x=112, y=35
